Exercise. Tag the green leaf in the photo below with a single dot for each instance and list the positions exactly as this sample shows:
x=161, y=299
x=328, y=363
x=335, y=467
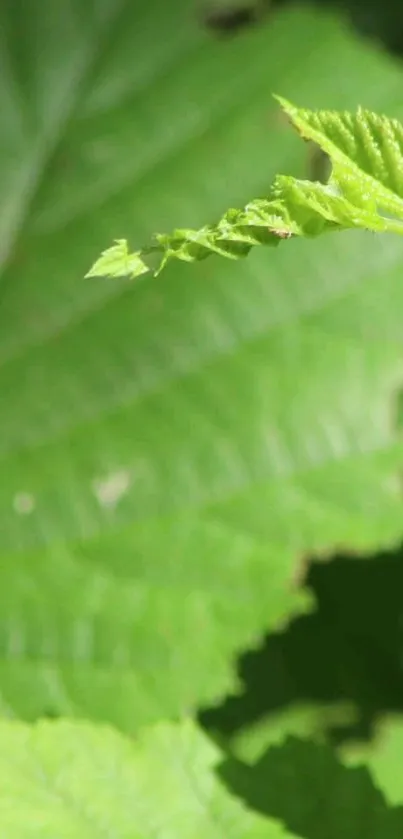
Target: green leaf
x=126, y=627
x=80, y=781
x=118, y=262
x=305, y=786
x=166, y=444
x=299, y=719
x=382, y=755
x=366, y=153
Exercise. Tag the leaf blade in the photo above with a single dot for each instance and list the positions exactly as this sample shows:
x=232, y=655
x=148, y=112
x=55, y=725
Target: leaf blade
x=77, y=780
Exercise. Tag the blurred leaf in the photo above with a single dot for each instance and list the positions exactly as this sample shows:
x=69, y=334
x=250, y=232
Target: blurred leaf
x=228, y=17
x=76, y=780
x=304, y=785
x=171, y=451
x=303, y=720
x=383, y=756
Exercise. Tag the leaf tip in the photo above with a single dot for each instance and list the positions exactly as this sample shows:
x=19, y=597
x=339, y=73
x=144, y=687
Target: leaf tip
x=117, y=261
x=285, y=104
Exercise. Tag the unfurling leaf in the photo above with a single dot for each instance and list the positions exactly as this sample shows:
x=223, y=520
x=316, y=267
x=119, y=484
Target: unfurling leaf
x=365, y=190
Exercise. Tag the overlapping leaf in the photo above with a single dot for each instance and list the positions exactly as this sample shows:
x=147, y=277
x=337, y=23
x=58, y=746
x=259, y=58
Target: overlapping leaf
x=171, y=451
x=304, y=720
x=382, y=755
x=73, y=779
x=76, y=780
x=303, y=784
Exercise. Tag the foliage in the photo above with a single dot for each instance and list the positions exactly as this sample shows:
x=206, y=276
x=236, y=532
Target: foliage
x=365, y=190
x=76, y=780
x=173, y=452
x=80, y=780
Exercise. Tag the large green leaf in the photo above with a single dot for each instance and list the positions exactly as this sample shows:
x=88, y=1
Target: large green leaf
x=172, y=450
x=76, y=780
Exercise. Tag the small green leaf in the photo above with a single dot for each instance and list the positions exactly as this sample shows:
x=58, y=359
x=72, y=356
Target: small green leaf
x=118, y=262
x=305, y=720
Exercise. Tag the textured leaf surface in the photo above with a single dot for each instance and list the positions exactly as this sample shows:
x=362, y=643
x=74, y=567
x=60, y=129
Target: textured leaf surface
x=167, y=443
x=73, y=780
x=366, y=150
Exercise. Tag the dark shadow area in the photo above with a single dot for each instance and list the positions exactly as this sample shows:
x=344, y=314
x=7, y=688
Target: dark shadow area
x=226, y=20
x=381, y=21
x=306, y=787
x=350, y=649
